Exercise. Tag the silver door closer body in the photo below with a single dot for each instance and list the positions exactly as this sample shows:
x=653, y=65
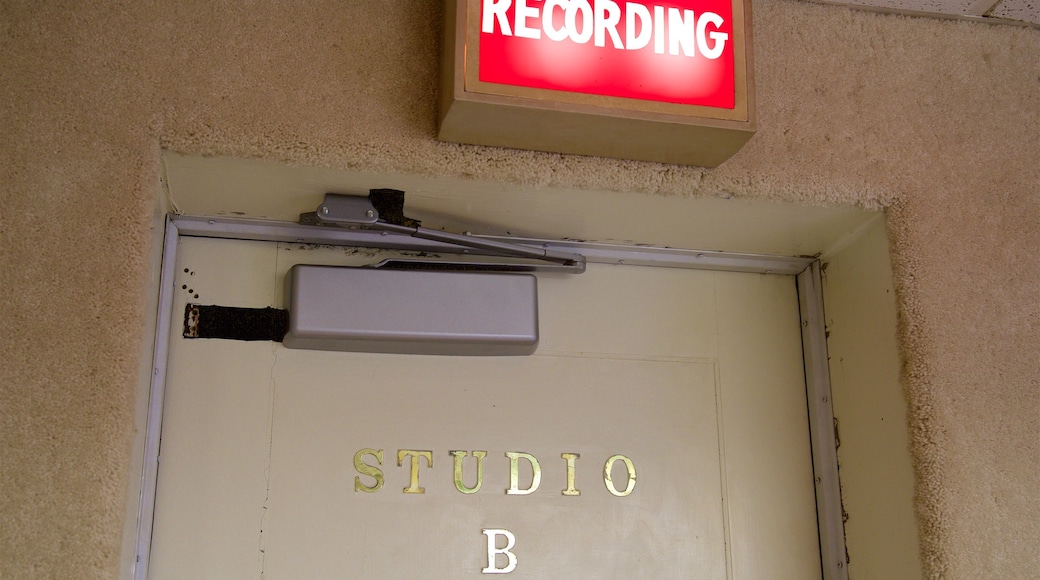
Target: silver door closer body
x=411, y=312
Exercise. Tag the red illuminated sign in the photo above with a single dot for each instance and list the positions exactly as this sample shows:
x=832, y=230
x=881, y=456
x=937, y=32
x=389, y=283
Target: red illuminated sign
x=666, y=51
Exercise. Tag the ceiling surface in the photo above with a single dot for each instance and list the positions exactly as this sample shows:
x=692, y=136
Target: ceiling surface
x=1021, y=12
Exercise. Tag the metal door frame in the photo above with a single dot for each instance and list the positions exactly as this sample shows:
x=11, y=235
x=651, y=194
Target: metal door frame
x=806, y=270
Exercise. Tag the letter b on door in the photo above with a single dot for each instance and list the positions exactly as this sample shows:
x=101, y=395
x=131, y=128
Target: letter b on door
x=493, y=551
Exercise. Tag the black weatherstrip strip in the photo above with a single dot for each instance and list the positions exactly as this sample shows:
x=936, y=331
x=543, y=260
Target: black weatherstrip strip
x=233, y=323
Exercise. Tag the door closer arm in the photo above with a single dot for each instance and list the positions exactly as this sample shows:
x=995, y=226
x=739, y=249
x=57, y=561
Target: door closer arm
x=383, y=210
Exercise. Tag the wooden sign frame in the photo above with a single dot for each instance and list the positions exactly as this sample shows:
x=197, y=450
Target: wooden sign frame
x=482, y=113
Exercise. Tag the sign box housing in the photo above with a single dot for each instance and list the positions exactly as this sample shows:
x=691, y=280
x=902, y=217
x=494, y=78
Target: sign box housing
x=666, y=81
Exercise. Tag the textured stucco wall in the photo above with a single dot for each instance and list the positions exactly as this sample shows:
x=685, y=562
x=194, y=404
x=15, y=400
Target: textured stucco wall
x=937, y=121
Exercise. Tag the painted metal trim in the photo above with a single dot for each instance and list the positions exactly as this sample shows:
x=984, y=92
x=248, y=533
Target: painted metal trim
x=662, y=257
x=822, y=434
x=597, y=252
x=156, y=393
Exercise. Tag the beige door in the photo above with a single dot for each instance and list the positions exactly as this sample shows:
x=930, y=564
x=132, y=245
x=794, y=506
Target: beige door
x=660, y=431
